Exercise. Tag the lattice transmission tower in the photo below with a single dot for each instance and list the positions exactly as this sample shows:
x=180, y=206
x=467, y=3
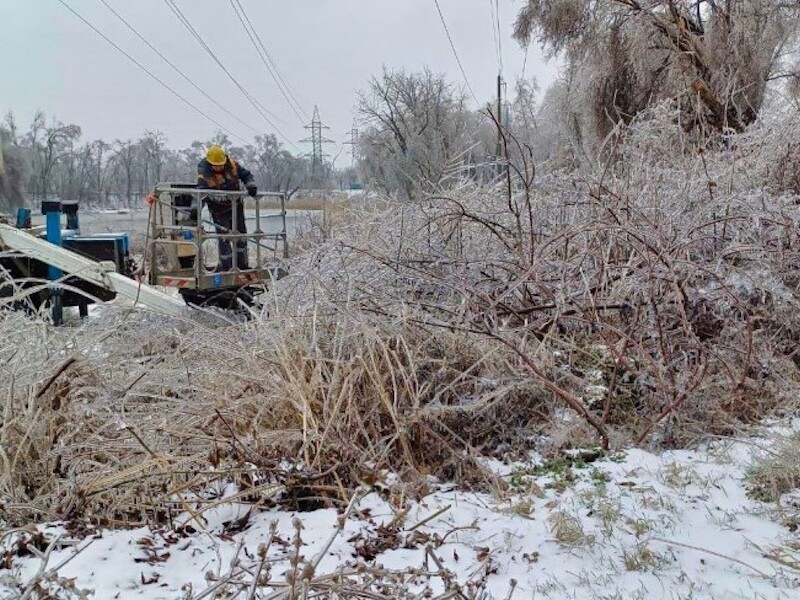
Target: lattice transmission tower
x=317, y=154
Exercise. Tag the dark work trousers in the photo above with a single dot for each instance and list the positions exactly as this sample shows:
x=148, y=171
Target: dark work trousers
x=222, y=214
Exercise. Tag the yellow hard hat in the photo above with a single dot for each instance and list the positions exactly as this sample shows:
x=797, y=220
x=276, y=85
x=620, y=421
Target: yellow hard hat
x=216, y=156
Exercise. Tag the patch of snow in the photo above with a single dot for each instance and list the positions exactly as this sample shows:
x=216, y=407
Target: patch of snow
x=636, y=525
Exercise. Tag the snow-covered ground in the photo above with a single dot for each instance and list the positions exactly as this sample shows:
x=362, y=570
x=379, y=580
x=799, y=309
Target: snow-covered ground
x=634, y=525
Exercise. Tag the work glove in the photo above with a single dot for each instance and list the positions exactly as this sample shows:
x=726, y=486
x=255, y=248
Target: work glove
x=252, y=189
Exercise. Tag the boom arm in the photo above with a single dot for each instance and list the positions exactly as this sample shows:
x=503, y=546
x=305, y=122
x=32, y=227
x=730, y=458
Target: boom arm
x=99, y=273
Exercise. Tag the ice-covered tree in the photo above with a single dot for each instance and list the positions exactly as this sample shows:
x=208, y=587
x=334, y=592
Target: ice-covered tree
x=12, y=167
x=715, y=57
x=418, y=131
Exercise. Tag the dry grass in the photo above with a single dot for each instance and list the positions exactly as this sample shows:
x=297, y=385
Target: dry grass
x=654, y=303
x=568, y=530
x=776, y=472
x=140, y=431
x=641, y=559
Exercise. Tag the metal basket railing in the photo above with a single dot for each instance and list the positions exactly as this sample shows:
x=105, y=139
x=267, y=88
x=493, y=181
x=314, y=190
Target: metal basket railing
x=183, y=242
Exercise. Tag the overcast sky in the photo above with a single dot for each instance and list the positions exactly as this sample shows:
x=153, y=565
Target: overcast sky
x=326, y=49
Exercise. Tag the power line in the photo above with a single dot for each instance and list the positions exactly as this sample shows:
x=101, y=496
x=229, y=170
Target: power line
x=499, y=34
x=146, y=70
x=256, y=104
x=188, y=25
x=178, y=70
x=274, y=64
x=494, y=34
x=269, y=62
x=261, y=56
x=455, y=53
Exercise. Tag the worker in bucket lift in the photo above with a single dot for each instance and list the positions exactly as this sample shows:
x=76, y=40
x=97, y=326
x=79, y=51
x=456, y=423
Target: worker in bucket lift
x=217, y=171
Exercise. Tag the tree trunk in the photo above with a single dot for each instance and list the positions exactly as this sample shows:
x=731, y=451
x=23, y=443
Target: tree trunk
x=721, y=117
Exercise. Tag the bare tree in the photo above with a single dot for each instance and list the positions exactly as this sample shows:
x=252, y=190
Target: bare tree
x=49, y=145
x=418, y=131
x=152, y=146
x=100, y=192
x=263, y=158
x=276, y=169
x=52, y=160
x=12, y=167
x=714, y=57
x=68, y=179
x=125, y=155
x=524, y=109
x=291, y=173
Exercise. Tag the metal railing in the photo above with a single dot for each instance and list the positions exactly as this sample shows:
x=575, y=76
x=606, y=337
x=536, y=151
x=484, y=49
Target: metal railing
x=181, y=237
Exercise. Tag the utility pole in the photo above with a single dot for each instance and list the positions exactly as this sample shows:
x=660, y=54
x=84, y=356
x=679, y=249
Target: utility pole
x=317, y=154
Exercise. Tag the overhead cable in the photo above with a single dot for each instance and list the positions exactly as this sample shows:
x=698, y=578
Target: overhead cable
x=269, y=62
x=455, y=53
x=150, y=73
x=263, y=111
x=178, y=70
x=499, y=34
